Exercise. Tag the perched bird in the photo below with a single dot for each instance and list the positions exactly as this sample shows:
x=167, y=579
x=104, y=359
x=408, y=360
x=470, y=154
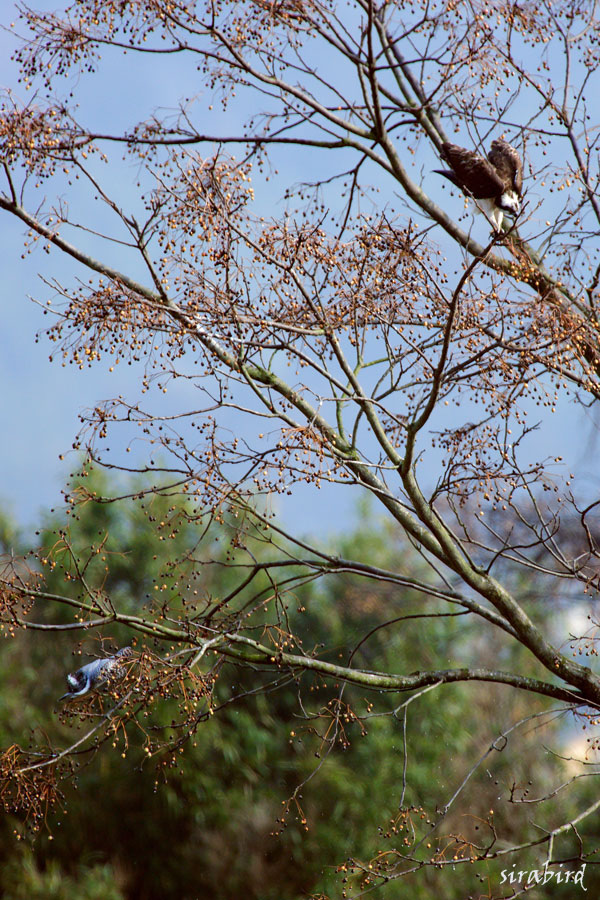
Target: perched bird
x=497, y=182
x=95, y=674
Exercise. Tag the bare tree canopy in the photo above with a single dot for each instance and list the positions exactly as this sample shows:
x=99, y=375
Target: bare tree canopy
x=278, y=255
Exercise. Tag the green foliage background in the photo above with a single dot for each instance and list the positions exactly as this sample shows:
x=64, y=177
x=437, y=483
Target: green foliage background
x=212, y=828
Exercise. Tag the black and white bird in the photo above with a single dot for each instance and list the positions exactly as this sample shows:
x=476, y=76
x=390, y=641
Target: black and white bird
x=95, y=674
x=495, y=183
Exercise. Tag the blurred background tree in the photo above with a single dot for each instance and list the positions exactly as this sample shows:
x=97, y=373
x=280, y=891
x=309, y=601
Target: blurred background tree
x=267, y=801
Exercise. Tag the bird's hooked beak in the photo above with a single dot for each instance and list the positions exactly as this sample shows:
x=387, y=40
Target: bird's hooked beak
x=510, y=203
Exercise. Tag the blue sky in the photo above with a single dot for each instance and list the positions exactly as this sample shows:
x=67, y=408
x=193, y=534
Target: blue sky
x=40, y=401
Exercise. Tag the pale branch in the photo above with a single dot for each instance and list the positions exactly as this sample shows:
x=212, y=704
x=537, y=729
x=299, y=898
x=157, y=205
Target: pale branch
x=249, y=650
x=335, y=564
x=417, y=424
x=180, y=138
x=424, y=111
x=548, y=796
x=136, y=622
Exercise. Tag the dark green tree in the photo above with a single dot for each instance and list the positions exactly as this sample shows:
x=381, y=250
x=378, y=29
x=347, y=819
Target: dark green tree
x=280, y=781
